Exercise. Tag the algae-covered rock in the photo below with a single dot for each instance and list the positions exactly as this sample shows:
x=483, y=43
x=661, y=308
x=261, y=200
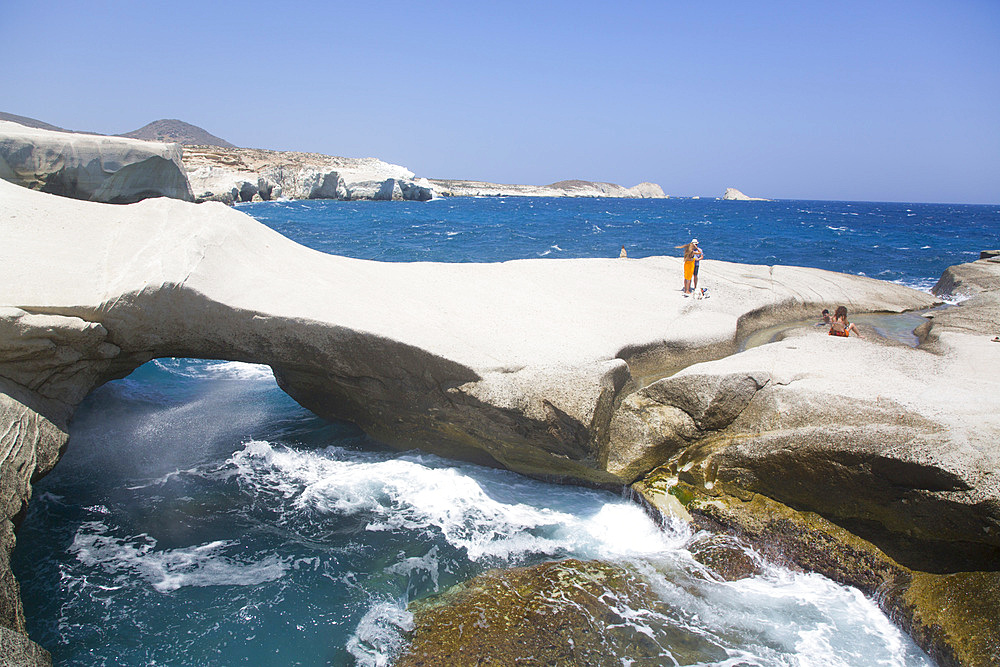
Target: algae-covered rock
x=568, y=613
x=958, y=612
x=951, y=616
x=726, y=556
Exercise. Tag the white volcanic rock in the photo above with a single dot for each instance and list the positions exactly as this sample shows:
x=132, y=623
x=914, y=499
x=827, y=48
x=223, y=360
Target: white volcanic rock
x=898, y=444
x=547, y=367
x=647, y=191
x=575, y=188
x=732, y=194
x=87, y=166
x=165, y=278
x=219, y=173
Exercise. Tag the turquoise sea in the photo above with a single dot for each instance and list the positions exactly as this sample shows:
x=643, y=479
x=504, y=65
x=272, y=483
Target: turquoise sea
x=201, y=517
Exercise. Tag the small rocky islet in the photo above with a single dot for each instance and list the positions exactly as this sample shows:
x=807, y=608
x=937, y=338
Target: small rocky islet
x=888, y=481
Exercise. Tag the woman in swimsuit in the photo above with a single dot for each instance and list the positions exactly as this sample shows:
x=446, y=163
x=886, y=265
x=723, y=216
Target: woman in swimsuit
x=691, y=254
x=840, y=326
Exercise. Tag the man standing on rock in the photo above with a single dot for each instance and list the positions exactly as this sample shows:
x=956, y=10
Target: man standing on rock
x=698, y=256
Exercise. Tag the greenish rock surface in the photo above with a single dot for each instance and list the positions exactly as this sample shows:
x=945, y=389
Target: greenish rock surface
x=951, y=616
x=569, y=613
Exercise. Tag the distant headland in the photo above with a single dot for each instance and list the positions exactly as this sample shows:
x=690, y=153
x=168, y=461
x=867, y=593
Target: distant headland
x=180, y=160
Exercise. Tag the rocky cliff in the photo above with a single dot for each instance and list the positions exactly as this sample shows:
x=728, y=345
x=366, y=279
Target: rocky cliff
x=92, y=167
x=248, y=174
x=125, y=170
x=575, y=188
x=422, y=355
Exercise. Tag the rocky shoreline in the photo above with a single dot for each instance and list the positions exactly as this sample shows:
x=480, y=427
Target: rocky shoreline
x=796, y=444
x=125, y=170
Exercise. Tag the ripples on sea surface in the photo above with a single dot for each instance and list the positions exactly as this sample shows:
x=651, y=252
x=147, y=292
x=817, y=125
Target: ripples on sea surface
x=909, y=243
x=201, y=517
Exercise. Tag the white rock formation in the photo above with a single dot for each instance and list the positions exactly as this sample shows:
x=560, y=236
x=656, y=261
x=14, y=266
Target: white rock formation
x=431, y=333
x=647, y=190
x=732, y=194
x=87, y=166
x=547, y=367
x=237, y=174
x=576, y=188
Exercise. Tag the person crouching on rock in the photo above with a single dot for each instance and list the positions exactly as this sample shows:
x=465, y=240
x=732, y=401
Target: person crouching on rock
x=840, y=326
x=690, y=251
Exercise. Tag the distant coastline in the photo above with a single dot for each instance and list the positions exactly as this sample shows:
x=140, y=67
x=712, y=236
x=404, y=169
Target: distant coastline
x=216, y=170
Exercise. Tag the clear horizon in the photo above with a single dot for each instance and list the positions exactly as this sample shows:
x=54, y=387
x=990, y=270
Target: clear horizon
x=894, y=101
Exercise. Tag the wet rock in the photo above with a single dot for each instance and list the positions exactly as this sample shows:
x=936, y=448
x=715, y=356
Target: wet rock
x=726, y=556
x=570, y=613
x=951, y=616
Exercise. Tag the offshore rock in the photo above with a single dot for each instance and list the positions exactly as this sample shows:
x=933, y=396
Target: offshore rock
x=85, y=166
x=732, y=194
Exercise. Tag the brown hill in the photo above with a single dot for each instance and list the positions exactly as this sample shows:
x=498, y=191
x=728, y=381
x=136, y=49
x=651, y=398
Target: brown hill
x=177, y=131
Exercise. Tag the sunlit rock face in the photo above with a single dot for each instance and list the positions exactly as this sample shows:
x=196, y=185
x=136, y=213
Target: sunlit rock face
x=732, y=194
x=545, y=367
x=571, y=188
x=233, y=175
x=114, y=170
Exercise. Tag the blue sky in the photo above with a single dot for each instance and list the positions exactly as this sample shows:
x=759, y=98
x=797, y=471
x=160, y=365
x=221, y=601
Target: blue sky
x=880, y=101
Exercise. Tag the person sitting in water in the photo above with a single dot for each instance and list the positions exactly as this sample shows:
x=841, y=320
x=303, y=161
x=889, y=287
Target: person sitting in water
x=840, y=326
x=826, y=317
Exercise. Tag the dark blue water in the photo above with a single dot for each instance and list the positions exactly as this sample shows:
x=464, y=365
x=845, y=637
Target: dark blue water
x=908, y=243
x=201, y=517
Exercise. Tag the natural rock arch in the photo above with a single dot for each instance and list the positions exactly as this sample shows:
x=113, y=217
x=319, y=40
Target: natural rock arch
x=530, y=364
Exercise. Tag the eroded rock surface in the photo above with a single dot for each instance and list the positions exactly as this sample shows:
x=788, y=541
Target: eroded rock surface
x=875, y=464
x=732, y=194
x=572, y=612
x=238, y=174
x=546, y=367
x=115, y=170
x=571, y=188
